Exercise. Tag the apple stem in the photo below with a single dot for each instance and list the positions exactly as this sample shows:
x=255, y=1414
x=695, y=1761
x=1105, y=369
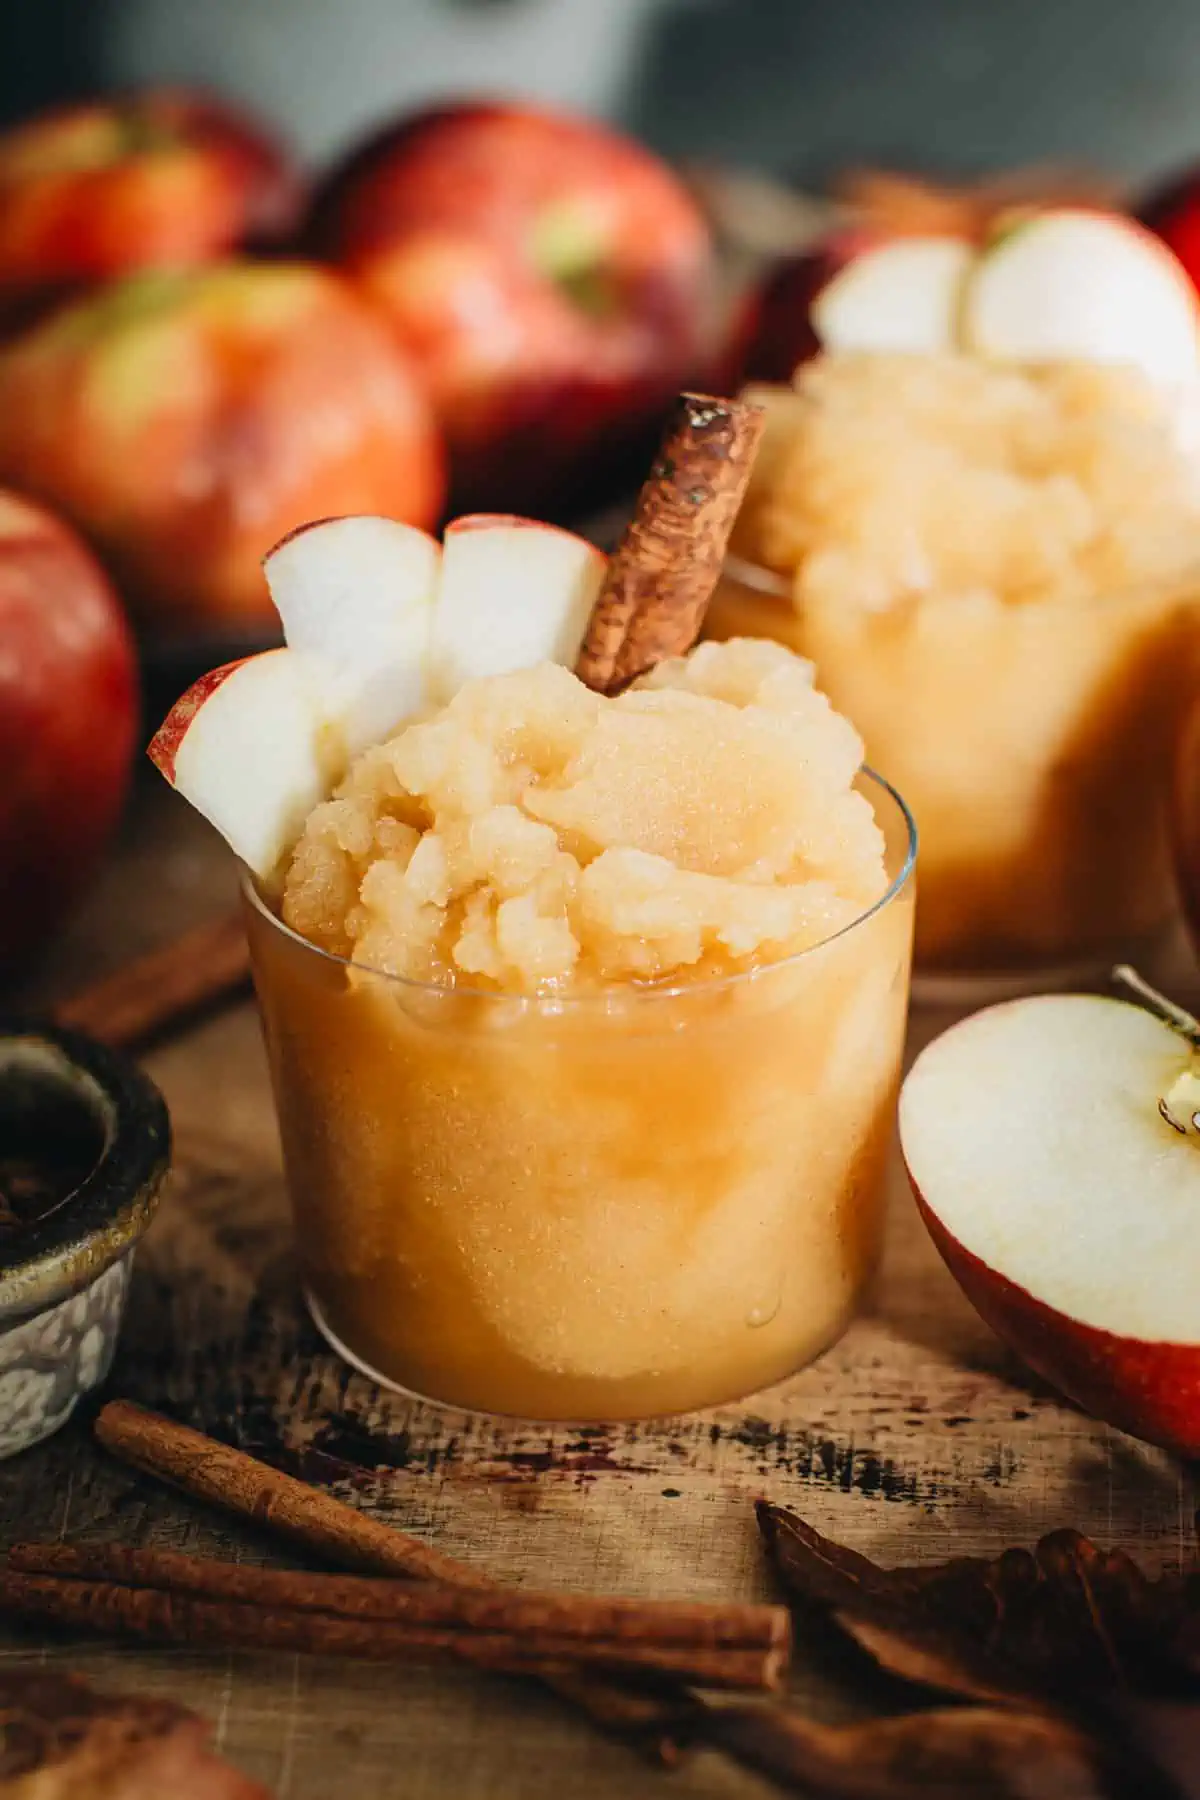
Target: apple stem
x=1180, y=1109
x=1177, y=1017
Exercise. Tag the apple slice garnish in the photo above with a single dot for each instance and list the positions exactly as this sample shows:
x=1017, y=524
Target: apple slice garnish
x=1053, y=1145
x=1095, y=286
x=899, y=296
x=244, y=746
x=372, y=611
x=513, y=592
x=356, y=595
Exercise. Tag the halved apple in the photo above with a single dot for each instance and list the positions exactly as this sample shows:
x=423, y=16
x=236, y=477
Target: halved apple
x=903, y=295
x=244, y=746
x=1052, y=1144
x=357, y=594
x=1079, y=284
x=513, y=592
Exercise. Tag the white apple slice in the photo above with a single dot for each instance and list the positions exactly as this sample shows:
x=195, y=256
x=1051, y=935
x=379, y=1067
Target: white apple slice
x=1066, y=1203
x=356, y=595
x=513, y=592
x=1090, y=285
x=244, y=746
x=899, y=296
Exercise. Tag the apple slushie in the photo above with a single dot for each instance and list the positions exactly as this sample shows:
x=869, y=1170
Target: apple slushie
x=997, y=573
x=585, y=1018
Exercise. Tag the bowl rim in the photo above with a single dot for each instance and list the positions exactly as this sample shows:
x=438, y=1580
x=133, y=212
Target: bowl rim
x=102, y=1218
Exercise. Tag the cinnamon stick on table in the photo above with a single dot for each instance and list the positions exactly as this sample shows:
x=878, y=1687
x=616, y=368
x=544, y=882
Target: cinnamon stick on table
x=163, y=1594
x=662, y=574
x=302, y=1515
x=164, y=987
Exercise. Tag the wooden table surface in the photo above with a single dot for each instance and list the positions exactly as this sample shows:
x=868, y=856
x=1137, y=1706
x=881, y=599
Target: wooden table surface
x=918, y=1436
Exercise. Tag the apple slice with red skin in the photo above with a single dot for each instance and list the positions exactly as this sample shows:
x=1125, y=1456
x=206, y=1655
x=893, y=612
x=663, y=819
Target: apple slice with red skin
x=1052, y=1145
x=513, y=592
x=356, y=595
x=378, y=619
x=1085, y=284
x=244, y=745
x=902, y=296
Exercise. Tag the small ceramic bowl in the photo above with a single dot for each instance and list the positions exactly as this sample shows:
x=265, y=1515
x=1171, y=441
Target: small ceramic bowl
x=84, y=1145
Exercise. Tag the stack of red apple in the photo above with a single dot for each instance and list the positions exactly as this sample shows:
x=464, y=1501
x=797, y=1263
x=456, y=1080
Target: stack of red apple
x=524, y=288
x=487, y=294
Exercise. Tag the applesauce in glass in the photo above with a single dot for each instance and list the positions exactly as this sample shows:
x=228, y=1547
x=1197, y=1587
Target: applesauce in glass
x=585, y=1019
x=997, y=574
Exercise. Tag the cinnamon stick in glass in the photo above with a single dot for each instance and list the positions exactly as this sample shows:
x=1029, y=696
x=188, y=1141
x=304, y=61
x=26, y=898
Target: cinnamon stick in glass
x=317, y=1523
x=157, y=991
x=662, y=574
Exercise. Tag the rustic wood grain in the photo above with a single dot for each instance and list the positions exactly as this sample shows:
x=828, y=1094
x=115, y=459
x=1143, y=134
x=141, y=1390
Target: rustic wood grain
x=916, y=1437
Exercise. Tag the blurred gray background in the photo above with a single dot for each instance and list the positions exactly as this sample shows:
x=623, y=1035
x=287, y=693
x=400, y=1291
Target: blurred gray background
x=796, y=86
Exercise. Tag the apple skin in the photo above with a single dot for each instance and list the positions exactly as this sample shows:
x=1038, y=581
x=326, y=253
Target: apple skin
x=163, y=748
x=780, y=335
x=1172, y=213
x=185, y=421
x=68, y=720
x=1151, y=1390
x=167, y=177
x=552, y=279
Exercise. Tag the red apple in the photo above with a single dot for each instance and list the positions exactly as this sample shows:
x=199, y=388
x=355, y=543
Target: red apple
x=1052, y=1146
x=187, y=420
x=779, y=329
x=551, y=278
x=1172, y=212
x=161, y=178
x=68, y=712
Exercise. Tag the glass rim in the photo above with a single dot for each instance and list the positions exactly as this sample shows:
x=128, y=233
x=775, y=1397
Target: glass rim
x=772, y=584
x=601, y=999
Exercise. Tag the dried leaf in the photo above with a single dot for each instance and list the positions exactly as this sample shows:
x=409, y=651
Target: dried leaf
x=60, y=1740
x=975, y=1753
x=1062, y=1621
x=925, y=1659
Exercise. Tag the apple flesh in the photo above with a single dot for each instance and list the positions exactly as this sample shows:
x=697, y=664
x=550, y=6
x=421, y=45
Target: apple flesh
x=1065, y=1201
x=380, y=620
x=162, y=178
x=68, y=714
x=1061, y=283
x=244, y=745
x=903, y=296
x=186, y=421
x=551, y=278
x=355, y=596
x=1077, y=283
x=513, y=593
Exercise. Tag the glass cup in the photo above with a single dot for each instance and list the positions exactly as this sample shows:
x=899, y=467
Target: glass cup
x=603, y=1207
x=1034, y=744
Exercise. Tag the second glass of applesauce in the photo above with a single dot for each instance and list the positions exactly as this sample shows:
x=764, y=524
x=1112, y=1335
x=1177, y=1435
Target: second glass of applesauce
x=997, y=574
x=585, y=1020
